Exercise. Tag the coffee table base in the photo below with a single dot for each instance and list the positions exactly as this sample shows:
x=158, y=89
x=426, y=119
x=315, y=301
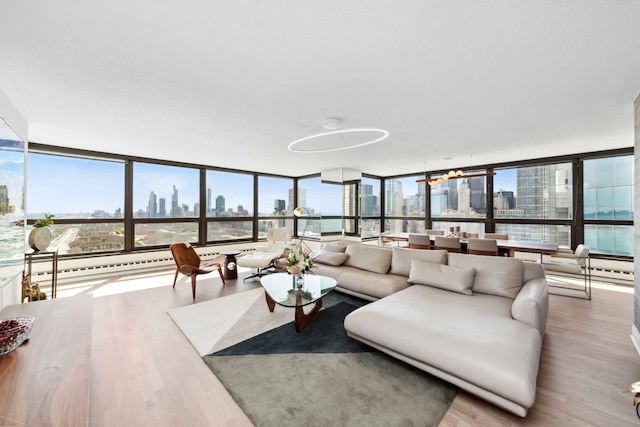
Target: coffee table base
x=301, y=318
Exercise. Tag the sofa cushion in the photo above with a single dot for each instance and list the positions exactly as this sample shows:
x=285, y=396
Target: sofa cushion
x=330, y=258
x=495, y=275
x=456, y=279
x=332, y=247
x=402, y=257
x=370, y=258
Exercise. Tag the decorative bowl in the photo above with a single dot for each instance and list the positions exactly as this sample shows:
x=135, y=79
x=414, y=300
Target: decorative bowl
x=13, y=332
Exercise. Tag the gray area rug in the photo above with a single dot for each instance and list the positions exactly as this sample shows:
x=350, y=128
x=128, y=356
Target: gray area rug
x=322, y=377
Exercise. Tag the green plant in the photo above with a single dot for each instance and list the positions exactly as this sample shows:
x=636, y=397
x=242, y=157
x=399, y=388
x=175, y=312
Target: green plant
x=45, y=222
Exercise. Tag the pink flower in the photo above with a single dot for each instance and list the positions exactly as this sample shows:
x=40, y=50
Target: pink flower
x=295, y=270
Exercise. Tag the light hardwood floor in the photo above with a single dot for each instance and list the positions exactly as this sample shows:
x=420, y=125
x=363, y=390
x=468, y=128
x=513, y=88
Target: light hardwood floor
x=145, y=372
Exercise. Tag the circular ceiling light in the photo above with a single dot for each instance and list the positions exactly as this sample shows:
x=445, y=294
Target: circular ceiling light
x=342, y=139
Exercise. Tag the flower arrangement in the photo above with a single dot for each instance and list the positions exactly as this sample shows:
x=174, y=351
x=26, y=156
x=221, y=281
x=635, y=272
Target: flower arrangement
x=299, y=262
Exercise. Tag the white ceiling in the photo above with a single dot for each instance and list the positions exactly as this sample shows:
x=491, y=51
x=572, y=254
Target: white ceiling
x=231, y=83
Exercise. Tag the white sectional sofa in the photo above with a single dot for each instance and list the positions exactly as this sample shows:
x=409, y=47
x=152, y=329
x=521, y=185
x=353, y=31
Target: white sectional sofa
x=477, y=322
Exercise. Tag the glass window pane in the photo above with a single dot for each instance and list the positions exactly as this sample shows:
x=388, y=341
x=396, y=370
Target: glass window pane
x=462, y=197
x=264, y=225
x=275, y=196
x=612, y=186
x=310, y=195
x=622, y=170
x=161, y=191
x=93, y=237
x=465, y=227
x=370, y=198
x=229, y=194
x=609, y=239
x=405, y=226
x=535, y=192
x=370, y=228
x=229, y=230
x=559, y=234
x=70, y=187
x=405, y=197
x=165, y=233
x=604, y=171
x=332, y=199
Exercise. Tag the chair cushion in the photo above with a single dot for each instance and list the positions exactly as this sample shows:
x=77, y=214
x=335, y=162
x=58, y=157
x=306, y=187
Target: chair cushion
x=401, y=259
x=456, y=279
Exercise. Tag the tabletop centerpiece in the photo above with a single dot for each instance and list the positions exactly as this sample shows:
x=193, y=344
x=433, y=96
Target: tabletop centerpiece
x=299, y=263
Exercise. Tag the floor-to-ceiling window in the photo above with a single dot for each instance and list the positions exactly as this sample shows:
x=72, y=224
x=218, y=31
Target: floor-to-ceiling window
x=534, y=203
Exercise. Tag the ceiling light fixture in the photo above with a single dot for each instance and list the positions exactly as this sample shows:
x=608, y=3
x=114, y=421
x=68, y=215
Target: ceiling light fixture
x=434, y=182
x=337, y=139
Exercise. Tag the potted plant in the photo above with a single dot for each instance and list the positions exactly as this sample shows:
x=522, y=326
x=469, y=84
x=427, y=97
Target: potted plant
x=40, y=236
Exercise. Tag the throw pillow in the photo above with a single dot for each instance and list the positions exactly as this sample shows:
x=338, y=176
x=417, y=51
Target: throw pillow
x=456, y=279
x=495, y=275
x=402, y=257
x=330, y=258
x=332, y=247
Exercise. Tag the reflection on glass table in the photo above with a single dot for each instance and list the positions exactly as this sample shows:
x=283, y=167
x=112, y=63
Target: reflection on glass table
x=288, y=291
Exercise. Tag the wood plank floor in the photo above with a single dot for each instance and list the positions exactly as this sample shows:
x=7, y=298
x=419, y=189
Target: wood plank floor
x=145, y=372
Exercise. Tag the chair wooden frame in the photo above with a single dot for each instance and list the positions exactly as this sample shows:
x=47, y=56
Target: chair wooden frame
x=188, y=262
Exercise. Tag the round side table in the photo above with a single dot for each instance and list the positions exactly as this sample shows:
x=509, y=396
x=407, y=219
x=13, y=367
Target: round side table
x=230, y=268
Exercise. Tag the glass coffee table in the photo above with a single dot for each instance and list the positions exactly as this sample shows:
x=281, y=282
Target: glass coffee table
x=282, y=289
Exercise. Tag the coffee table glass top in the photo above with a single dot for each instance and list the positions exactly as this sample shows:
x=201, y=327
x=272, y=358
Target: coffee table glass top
x=282, y=289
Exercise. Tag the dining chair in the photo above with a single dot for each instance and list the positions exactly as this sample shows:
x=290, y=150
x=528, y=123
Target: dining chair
x=482, y=247
x=419, y=241
x=496, y=236
x=450, y=244
x=432, y=232
x=188, y=262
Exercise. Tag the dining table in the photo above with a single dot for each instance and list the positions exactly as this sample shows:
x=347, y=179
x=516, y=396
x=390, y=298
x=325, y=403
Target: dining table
x=505, y=247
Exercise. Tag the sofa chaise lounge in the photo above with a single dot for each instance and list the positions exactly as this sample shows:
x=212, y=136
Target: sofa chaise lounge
x=477, y=322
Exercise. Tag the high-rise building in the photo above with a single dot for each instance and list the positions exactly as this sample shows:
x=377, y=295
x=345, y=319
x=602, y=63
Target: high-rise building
x=162, y=207
x=4, y=199
x=464, y=197
x=369, y=201
x=175, y=207
x=279, y=207
x=220, y=205
x=152, y=209
x=208, y=201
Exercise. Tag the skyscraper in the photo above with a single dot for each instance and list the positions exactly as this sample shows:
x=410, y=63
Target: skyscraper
x=220, y=205
x=152, y=209
x=175, y=207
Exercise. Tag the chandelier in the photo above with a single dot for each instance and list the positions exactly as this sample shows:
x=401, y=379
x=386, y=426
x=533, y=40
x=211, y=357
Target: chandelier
x=434, y=182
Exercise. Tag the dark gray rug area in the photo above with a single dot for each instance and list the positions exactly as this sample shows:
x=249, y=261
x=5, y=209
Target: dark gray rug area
x=322, y=377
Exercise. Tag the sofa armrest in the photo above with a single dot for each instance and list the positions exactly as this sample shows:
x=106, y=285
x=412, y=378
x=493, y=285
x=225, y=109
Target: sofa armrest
x=531, y=305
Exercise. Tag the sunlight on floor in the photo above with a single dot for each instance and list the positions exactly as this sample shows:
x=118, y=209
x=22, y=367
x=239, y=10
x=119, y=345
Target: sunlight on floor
x=121, y=284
